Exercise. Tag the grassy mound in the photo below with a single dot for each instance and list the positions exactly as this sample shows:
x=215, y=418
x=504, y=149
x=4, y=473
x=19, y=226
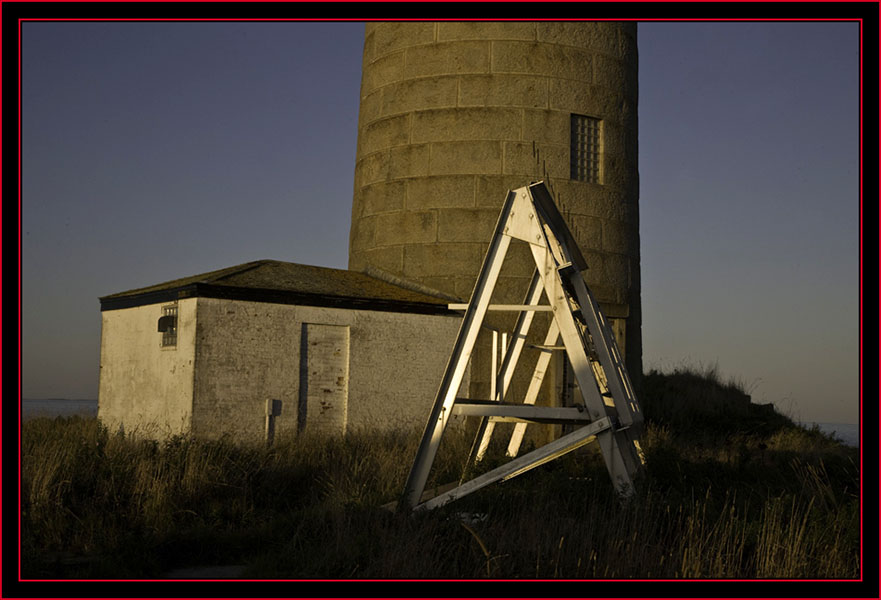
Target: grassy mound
x=698, y=403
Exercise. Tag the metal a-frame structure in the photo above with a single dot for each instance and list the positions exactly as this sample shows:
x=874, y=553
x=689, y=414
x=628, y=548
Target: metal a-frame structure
x=610, y=415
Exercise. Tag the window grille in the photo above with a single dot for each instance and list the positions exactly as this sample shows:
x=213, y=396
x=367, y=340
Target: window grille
x=585, y=148
x=168, y=326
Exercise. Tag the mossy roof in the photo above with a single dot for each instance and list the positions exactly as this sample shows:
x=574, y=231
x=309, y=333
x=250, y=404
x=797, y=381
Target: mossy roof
x=287, y=283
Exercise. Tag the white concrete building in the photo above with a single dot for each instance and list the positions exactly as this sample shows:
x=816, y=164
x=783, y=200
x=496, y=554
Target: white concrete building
x=336, y=350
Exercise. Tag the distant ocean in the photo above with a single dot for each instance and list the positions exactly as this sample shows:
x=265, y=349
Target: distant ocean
x=848, y=433
x=55, y=407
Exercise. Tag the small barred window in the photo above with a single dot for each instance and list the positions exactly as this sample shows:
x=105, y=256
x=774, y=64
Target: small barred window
x=168, y=326
x=585, y=148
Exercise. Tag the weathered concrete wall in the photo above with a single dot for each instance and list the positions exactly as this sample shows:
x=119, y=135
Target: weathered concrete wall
x=143, y=386
x=248, y=352
x=449, y=116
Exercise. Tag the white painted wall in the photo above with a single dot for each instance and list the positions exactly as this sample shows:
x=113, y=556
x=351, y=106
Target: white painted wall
x=147, y=388
x=248, y=352
x=232, y=356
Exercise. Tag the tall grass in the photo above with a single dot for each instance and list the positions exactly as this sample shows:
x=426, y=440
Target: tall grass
x=755, y=498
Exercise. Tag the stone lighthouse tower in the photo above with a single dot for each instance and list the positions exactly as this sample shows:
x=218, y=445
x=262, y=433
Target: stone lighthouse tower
x=453, y=115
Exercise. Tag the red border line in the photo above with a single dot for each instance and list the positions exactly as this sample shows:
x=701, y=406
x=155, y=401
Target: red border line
x=345, y=20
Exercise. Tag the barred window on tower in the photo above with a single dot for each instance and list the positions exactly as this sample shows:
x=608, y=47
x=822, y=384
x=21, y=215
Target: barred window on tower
x=585, y=149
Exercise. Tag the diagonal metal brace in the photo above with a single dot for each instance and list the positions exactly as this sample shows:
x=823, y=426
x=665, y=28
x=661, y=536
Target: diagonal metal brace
x=527, y=462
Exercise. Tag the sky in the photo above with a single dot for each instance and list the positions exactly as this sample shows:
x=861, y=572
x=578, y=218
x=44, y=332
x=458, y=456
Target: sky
x=152, y=151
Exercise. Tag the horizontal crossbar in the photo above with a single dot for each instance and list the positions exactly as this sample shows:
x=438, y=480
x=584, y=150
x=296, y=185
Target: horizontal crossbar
x=521, y=413
x=508, y=307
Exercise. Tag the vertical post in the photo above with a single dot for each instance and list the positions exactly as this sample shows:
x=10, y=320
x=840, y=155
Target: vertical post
x=500, y=380
x=493, y=366
x=497, y=394
x=273, y=409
